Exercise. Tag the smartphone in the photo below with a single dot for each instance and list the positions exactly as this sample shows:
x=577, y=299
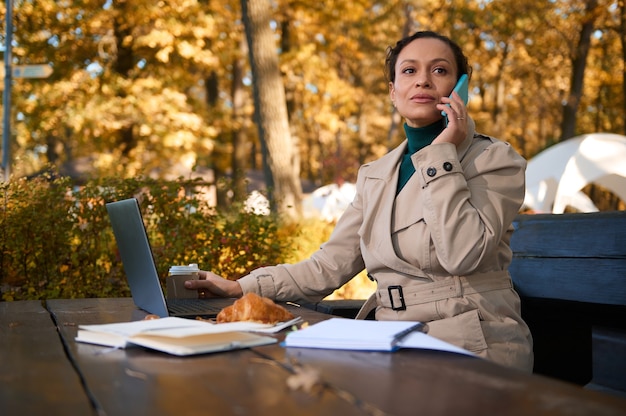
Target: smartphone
x=461, y=88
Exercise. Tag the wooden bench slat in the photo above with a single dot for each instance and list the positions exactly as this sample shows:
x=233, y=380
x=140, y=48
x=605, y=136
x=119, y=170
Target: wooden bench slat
x=600, y=281
x=592, y=235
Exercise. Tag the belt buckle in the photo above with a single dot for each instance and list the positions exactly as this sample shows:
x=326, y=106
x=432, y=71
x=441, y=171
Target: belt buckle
x=402, y=306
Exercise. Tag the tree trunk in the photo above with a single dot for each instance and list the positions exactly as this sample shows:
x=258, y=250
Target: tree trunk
x=241, y=146
x=285, y=190
x=622, y=35
x=124, y=62
x=396, y=119
x=579, y=62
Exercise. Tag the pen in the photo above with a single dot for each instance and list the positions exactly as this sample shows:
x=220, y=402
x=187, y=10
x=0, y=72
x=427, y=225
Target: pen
x=418, y=327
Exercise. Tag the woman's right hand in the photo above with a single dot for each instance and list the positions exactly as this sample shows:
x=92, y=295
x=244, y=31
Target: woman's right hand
x=457, y=128
x=211, y=285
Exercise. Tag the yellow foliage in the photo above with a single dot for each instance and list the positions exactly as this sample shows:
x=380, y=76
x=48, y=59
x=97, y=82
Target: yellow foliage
x=139, y=83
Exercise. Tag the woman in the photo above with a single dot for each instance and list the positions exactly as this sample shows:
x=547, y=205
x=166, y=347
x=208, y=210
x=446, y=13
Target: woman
x=431, y=220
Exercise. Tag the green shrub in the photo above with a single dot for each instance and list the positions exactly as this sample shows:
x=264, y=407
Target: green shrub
x=56, y=240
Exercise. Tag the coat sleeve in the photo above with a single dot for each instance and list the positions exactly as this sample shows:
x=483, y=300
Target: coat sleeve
x=336, y=262
x=469, y=205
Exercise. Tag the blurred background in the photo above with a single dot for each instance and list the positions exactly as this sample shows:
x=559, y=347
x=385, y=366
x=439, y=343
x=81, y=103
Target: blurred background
x=165, y=88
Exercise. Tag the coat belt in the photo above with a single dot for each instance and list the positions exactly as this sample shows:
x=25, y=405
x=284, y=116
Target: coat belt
x=399, y=297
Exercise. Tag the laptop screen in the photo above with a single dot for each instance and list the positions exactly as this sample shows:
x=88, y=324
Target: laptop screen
x=137, y=258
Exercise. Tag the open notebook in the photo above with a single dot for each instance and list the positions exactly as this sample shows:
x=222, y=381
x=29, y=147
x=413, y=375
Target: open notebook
x=367, y=335
x=179, y=336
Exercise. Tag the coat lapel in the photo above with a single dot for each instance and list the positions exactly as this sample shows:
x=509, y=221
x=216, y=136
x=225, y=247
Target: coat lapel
x=409, y=207
x=381, y=182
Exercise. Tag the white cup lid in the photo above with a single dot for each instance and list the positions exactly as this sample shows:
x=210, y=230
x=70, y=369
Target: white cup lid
x=192, y=268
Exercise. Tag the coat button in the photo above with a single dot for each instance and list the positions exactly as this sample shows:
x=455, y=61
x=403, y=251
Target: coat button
x=447, y=166
x=431, y=172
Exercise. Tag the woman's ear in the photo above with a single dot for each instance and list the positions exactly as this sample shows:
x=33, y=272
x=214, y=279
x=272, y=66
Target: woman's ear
x=392, y=93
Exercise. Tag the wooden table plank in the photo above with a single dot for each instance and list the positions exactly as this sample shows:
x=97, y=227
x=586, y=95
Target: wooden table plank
x=139, y=381
x=36, y=376
x=439, y=383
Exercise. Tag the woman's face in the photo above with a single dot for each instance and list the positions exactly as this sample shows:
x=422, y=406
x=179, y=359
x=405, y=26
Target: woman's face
x=426, y=70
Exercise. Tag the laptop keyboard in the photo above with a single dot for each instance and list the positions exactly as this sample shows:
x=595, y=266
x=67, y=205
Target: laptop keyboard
x=191, y=306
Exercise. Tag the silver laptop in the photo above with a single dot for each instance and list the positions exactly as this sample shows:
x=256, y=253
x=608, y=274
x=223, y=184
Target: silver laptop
x=140, y=268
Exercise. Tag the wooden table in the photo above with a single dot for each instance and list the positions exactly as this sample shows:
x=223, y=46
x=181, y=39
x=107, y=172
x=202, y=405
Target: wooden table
x=44, y=371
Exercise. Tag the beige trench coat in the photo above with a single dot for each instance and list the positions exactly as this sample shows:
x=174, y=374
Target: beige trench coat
x=439, y=251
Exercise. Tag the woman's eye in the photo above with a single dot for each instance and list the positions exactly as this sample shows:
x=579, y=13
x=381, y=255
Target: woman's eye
x=408, y=71
x=440, y=71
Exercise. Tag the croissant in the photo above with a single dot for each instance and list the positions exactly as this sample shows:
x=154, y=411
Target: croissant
x=252, y=307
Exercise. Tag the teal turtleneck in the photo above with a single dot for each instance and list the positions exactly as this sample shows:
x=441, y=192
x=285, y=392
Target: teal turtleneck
x=417, y=138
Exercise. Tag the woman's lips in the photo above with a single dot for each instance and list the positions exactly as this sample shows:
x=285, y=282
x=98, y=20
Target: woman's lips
x=422, y=98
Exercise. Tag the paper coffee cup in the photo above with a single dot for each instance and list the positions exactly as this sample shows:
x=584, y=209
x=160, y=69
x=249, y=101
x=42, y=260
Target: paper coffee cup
x=176, y=279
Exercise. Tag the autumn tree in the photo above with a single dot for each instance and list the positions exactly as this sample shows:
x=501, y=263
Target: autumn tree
x=167, y=88
x=241, y=148
x=282, y=174
x=622, y=32
x=578, y=58
x=126, y=93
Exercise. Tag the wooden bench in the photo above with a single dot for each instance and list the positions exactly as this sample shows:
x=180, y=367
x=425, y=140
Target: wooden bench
x=570, y=272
